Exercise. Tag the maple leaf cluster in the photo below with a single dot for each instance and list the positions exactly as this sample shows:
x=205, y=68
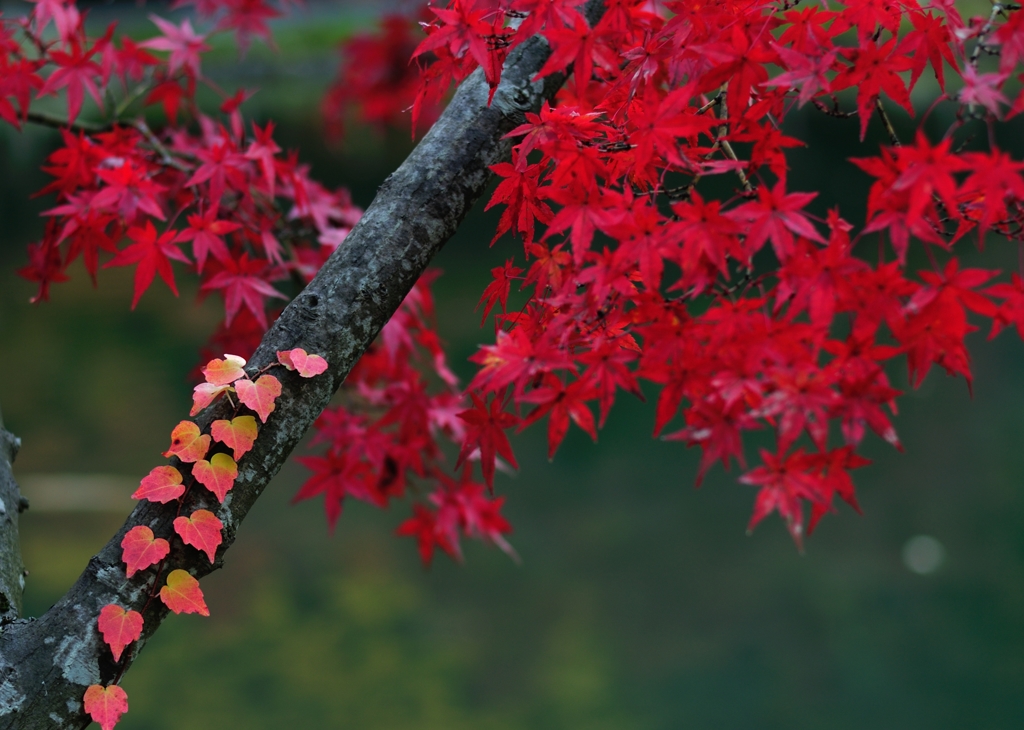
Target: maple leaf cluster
x=746, y=311
x=743, y=311
x=392, y=430
x=222, y=201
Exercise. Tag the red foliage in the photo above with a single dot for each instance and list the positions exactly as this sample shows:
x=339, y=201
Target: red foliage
x=743, y=310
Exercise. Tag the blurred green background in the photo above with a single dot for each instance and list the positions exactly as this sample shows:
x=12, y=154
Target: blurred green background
x=640, y=603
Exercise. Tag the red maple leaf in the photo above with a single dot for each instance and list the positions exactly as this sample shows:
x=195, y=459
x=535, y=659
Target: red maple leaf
x=129, y=191
x=785, y=480
x=244, y=281
x=874, y=69
x=205, y=232
x=498, y=290
x=181, y=41
x=262, y=150
x=153, y=255
x=485, y=432
x=775, y=216
x=519, y=192
x=78, y=73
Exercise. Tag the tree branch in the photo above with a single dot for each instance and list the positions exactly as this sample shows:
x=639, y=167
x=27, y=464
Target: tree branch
x=338, y=315
x=12, y=569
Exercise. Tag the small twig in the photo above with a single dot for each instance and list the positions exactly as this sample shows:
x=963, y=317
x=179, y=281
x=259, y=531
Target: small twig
x=130, y=99
x=997, y=10
x=887, y=122
x=727, y=148
x=713, y=102
x=52, y=120
x=679, y=192
x=165, y=154
x=834, y=111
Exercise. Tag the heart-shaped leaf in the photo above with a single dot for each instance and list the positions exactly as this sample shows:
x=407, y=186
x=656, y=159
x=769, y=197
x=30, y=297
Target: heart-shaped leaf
x=218, y=474
x=306, y=365
x=201, y=530
x=204, y=394
x=259, y=396
x=238, y=434
x=187, y=443
x=224, y=372
x=105, y=705
x=142, y=550
x=182, y=594
x=162, y=485
x=119, y=627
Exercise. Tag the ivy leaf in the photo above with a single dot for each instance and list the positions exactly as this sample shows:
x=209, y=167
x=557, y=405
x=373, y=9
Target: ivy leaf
x=238, y=434
x=162, y=484
x=105, y=705
x=218, y=474
x=182, y=594
x=202, y=531
x=187, y=443
x=224, y=372
x=259, y=396
x=119, y=627
x=141, y=549
x=204, y=394
x=307, y=366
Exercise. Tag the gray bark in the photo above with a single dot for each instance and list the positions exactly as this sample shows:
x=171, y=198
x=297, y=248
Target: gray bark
x=46, y=664
x=12, y=570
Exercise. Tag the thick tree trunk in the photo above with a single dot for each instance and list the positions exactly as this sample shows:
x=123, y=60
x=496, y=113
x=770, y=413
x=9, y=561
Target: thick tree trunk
x=47, y=663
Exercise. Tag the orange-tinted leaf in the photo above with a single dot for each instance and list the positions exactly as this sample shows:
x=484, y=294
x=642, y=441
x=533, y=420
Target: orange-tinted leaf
x=306, y=365
x=224, y=372
x=119, y=627
x=204, y=394
x=141, y=550
x=105, y=705
x=201, y=530
x=259, y=396
x=182, y=594
x=238, y=434
x=218, y=474
x=162, y=485
x=285, y=358
x=187, y=443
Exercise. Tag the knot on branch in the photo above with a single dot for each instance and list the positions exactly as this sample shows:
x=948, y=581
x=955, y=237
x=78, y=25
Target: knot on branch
x=10, y=445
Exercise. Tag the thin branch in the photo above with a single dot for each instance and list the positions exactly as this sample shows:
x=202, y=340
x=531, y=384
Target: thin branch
x=727, y=148
x=713, y=102
x=997, y=10
x=52, y=120
x=893, y=137
x=165, y=155
x=834, y=111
